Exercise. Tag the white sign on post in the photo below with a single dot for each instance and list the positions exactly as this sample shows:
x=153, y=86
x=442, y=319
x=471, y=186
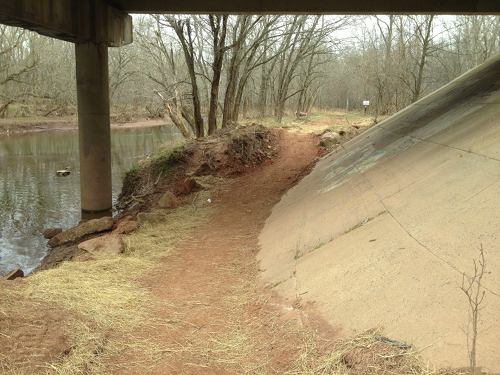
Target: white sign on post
x=366, y=103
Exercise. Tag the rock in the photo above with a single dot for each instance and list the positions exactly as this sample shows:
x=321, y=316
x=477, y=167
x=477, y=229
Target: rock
x=331, y=135
x=57, y=255
x=109, y=244
x=126, y=226
x=168, y=200
x=51, y=232
x=150, y=217
x=83, y=256
x=186, y=186
x=14, y=274
x=329, y=139
x=81, y=230
x=63, y=172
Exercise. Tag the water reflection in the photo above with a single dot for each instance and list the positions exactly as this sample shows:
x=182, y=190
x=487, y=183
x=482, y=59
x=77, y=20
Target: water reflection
x=33, y=198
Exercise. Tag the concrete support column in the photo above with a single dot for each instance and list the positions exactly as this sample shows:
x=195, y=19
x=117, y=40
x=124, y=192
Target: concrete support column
x=94, y=129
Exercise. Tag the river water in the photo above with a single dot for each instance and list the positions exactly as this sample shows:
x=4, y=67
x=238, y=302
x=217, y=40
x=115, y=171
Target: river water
x=33, y=198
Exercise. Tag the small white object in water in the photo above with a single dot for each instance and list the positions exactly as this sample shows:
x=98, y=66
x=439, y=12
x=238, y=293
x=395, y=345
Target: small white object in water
x=209, y=200
x=63, y=172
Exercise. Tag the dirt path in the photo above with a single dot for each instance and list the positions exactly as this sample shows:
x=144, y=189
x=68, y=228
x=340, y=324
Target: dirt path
x=174, y=304
x=217, y=318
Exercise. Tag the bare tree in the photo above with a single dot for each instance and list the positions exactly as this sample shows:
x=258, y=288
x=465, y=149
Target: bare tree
x=120, y=61
x=167, y=74
x=185, y=34
x=240, y=29
x=249, y=52
x=17, y=60
x=305, y=38
x=218, y=26
x=474, y=291
x=421, y=48
x=194, y=68
x=294, y=48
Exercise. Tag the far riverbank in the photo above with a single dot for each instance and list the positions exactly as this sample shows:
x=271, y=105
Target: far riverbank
x=10, y=126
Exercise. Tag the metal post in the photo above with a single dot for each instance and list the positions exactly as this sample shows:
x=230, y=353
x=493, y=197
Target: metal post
x=94, y=129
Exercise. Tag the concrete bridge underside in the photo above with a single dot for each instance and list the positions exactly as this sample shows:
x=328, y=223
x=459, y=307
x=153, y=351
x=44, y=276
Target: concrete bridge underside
x=95, y=25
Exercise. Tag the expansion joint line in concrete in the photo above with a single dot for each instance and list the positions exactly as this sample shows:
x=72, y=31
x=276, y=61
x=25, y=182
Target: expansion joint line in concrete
x=294, y=275
x=422, y=245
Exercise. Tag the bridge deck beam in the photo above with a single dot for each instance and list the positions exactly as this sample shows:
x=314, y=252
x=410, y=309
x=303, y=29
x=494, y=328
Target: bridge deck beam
x=74, y=21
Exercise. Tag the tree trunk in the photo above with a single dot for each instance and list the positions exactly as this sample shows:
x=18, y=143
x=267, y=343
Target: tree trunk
x=3, y=108
x=178, y=122
x=188, y=49
x=219, y=40
x=233, y=71
x=426, y=39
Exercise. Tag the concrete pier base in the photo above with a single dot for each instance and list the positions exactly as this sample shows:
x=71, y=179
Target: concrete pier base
x=94, y=129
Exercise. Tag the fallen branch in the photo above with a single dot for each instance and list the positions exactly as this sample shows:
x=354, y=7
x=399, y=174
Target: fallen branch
x=3, y=108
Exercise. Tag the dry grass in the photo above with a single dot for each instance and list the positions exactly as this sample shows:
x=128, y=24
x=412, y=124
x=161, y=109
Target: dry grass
x=363, y=354
x=102, y=290
x=318, y=121
x=102, y=296
x=105, y=306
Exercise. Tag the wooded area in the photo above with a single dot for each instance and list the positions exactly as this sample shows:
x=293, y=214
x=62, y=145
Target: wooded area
x=210, y=71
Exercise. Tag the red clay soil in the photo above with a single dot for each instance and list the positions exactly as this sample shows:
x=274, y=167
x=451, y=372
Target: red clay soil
x=217, y=318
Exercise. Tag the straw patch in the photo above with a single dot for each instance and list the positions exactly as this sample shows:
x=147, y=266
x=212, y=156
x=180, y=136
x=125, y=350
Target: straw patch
x=99, y=303
x=363, y=354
